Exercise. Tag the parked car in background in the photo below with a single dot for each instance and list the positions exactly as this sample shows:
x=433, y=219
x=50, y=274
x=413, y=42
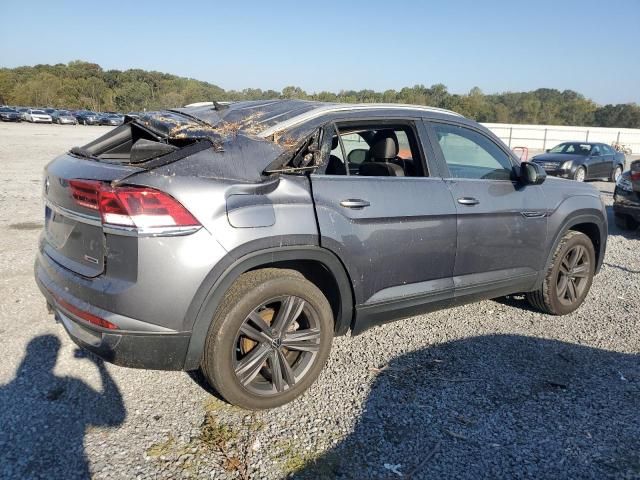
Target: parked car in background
x=8, y=114
x=239, y=240
x=22, y=111
x=63, y=117
x=582, y=161
x=112, y=119
x=86, y=117
x=49, y=111
x=37, y=116
x=626, y=198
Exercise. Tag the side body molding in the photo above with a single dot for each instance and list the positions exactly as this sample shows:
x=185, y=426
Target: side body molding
x=220, y=279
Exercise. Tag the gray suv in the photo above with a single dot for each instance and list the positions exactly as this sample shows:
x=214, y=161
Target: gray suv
x=238, y=239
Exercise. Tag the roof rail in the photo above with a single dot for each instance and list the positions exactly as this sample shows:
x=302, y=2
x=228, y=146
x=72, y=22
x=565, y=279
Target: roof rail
x=206, y=104
x=345, y=107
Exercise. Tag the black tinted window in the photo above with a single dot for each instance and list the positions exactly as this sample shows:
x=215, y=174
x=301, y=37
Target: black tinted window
x=371, y=150
x=470, y=154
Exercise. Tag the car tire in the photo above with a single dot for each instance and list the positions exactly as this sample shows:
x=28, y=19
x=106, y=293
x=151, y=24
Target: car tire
x=580, y=175
x=240, y=367
x=624, y=222
x=615, y=173
x=568, y=278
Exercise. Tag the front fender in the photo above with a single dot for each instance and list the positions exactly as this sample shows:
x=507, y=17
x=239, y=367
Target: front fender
x=577, y=210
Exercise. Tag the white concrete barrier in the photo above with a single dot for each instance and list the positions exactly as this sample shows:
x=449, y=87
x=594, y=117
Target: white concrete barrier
x=541, y=137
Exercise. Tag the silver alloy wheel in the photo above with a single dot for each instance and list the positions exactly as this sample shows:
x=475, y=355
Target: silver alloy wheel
x=580, y=175
x=617, y=172
x=276, y=345
x=573, y=276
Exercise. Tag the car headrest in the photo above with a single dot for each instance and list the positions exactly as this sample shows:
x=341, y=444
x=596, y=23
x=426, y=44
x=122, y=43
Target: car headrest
x=380, y=169
x=384, y=146
x=334, y=143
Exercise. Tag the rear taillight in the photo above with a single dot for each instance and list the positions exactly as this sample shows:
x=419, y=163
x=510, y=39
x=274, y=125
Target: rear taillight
x=138, y=207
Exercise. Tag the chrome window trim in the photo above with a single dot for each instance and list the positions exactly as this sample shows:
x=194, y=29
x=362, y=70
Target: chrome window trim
x=348, y=107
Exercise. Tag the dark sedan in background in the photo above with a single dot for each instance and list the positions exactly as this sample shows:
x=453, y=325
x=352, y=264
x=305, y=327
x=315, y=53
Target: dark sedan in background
x=626, y=198
x=111, y=119
x=86, y=117
x=582, y=161
x=8, y=114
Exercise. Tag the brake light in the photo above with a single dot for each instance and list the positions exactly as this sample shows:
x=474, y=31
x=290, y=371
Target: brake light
x=85, y=193
x=635, y=176
x=139, y=207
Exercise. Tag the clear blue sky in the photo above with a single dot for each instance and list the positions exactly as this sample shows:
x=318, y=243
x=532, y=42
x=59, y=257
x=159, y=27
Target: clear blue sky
x=585, y=45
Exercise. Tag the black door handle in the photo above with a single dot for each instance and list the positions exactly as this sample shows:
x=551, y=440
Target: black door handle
x=468, y=201
x=354, y=203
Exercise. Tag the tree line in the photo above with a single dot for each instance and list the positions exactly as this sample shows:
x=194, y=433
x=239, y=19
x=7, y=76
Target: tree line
x=85, y=85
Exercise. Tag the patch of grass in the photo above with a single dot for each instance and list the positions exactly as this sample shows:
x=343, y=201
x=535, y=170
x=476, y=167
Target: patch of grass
x=214, y=434
x=294, y=458
x=162, y=448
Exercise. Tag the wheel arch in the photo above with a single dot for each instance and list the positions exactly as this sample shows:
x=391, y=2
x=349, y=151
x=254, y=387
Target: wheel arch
x=592, y=224
x=318, y=265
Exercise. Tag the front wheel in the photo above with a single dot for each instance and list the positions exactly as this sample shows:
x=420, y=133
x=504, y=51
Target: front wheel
x=269, y=339
x=580, y=174
x=568, y=278
x=615, y=173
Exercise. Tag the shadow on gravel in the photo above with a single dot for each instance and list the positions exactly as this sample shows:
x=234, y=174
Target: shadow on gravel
x=499, y=406
x=44, y=417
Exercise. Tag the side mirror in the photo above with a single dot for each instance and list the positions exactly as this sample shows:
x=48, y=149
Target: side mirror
x=532, y=173
x=548, y=150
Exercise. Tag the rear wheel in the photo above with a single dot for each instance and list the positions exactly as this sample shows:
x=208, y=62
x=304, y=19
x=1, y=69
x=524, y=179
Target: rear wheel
x=568, y=278
x=625, y=222
x=615, y=173
x=580, y=174
x=269, y=339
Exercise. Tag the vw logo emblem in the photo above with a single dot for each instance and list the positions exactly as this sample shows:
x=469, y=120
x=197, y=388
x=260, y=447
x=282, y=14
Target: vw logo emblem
x=276, y=343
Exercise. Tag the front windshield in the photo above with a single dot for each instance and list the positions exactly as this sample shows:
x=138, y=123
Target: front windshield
x=39, y=112
x=573, y=148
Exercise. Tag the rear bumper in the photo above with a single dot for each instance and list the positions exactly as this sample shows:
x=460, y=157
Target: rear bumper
x=626, y=203
x=158, y=350
x=632, y=211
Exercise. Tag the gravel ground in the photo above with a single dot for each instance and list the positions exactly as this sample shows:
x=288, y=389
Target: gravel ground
x=487, y=390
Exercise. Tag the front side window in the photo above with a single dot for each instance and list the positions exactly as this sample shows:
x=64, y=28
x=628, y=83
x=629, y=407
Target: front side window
x=470, y=154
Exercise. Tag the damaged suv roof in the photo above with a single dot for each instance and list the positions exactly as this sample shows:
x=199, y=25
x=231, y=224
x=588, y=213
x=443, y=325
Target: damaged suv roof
x=242, y=141
x=262, y=118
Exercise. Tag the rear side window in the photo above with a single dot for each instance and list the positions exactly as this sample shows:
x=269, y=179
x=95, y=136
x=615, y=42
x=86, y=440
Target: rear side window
x=375, y=150
x=470, y=154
